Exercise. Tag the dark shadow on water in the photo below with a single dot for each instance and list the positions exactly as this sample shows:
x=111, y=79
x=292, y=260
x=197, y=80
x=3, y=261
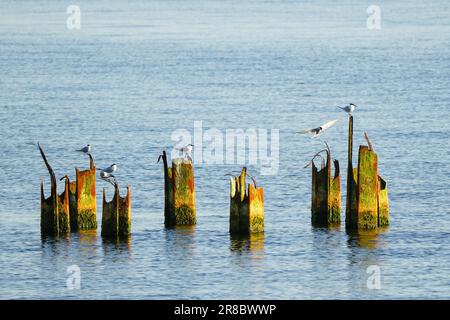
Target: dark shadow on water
x=55, y=240
x=55, y=244
x=253, y=243
x=116, y=245
x=330, y=227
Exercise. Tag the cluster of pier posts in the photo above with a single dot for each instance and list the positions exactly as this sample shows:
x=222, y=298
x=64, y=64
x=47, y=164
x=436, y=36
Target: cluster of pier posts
x=76, y=208
x=246, y=201
x=367, y=204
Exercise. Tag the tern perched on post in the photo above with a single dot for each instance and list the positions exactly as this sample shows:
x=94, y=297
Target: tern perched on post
x=86, y=150
x=108, y=177
x=315, y=132
x=187, y=151
x=350, y=108
x=111, y=169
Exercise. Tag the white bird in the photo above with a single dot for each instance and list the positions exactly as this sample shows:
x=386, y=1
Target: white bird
x=106, y=176
x=86, y=149
x=315, y=132
x=187, y=152
x=350, y=108
x=111, y=169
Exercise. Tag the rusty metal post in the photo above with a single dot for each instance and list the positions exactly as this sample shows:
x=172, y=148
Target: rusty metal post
x=350, y=209
x=179, y=193
x=383, y=203
x=86, y=199
x=326, y=193
x=246, y=206
x=367, y=204
x=367, y=189
x=116, y=214
x=54, y=209
x=169, y=214
x=73, y=204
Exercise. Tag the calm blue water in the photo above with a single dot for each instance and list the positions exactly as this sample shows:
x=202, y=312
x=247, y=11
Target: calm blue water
x=136, y=72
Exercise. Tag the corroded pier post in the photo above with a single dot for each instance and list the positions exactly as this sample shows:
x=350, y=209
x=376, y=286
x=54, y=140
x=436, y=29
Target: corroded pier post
x=54, y=209
x=85, y=217
x=326, y=193
x=179, y=193
x=246, y=208
x=116, y=214
x=367, y=194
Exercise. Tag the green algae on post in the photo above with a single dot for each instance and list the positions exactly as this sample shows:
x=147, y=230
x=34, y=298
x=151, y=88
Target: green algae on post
x=54, y=209
x=383, y=203
x=325, y=193
x=179, y=193
x=367, y=194
x=86, y=199
x=116, y=214
x=246, y=207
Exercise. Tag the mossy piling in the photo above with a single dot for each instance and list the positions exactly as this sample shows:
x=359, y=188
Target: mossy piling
x=367, y=204
x=54, y=209
x=179, y=193
x=246, y=206
x=116, y=214
x=326, y=193
x=85, y=217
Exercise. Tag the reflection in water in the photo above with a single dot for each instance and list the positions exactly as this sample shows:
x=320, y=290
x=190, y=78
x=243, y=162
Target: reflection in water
x=180, y=240
x=253, y=243
x=368, y=239
x=51, y=240
x=54, y=244
x=87, y=237
x=117, y=244
x=362, y=255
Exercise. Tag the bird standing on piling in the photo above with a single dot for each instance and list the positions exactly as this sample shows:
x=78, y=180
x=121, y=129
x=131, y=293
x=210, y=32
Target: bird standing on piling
x=187, y=152
x=108, y=177
x=350, y=108
x=111, y=169
x=86, y=150
x=315, y=132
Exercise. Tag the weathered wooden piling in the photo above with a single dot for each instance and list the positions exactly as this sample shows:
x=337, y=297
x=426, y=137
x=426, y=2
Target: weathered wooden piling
x=246, y=207
x=54, y=209
x=383, y=203
x=326, y=193
x=85, y=217
x=179, y=193
x=72, y=204
x=116, y=214
x=367, y=204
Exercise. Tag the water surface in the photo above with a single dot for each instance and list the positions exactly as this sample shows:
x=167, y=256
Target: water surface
x=137, y=71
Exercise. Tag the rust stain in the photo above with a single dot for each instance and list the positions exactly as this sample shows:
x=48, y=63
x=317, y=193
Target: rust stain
x=246, y=206
x=367, y=199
